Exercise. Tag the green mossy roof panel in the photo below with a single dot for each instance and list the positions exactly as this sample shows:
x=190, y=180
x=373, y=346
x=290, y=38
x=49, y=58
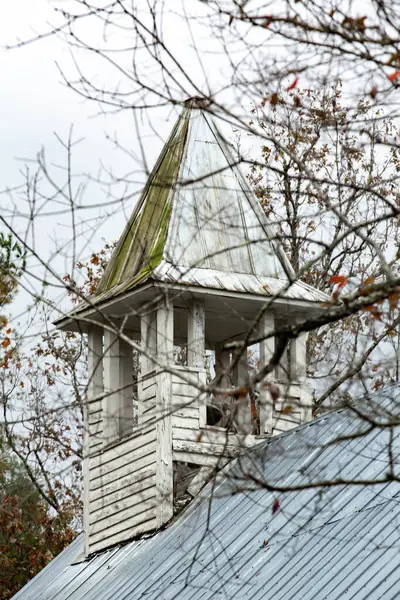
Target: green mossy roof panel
x=198, y=223
x=141, y=246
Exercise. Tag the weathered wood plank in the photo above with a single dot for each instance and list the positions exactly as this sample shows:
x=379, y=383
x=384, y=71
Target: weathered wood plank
x=150, y=404
x=96, y=427
x=165, y=351
x=149, y=417
x=206, y=449
x=203, y=400
x=267, y=349
x=188, y=412
x=100, y=530
x=127, y=480
x=95, y=417
x=123, y=506
x=135, y=441
x=200, y=459
x=113, y=400
x=95, y=387
x=282, y=425
x=211, y=436
x=100, y=479
x=298, y=356
x=196, y=334
x=184, y=423
x=185, y=389
x=95, y=442
x=145, y=383
x=148, y=393
x=193, y=372
x=126, y=382
x=148, y=340
x=95, y=406
x=142, y=525
x=131, y=457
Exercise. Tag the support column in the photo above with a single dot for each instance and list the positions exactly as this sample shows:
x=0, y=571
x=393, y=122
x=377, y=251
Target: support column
x=223, y=378
x=126, y=382
x=223, y=366
x=148, y=341
x=95, y=362
x=242, y=414
x=94, y=388
x=196, y=349
x=118, y=381
x=165, y=354
x=298, y=357
x=196, y=334
x=267, y=349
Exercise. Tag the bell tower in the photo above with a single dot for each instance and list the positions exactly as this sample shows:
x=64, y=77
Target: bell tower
x=197, y=266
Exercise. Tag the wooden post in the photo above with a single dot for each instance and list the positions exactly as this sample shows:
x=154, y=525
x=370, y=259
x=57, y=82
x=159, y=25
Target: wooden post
x=267, y=348
x=298, y=357
x=196, y=349
x=224, y=379
x=196, y=334
x=148, y=340
x=95, y=388
x=118, y=381
x=223, y=366
x=126, y=382
x=164, y=473
x=284, y=367
x=242, y=417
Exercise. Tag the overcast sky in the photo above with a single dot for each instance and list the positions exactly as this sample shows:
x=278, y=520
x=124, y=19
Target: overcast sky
x=34, y=105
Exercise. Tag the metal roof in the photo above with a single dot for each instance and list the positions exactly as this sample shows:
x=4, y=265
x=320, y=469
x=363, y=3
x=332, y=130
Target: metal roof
x=332, y=542
x=199, y=222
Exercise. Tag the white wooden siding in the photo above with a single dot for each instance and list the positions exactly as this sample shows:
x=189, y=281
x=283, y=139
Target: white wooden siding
x=122, y=490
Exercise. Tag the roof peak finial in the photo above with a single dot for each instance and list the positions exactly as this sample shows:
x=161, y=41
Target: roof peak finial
x=197, y=102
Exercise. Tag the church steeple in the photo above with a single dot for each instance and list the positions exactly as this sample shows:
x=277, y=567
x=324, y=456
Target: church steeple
x=197, y=266
x=198, y=222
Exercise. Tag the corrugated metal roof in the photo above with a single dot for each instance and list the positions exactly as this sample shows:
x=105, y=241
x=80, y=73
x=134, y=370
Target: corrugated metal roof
x=332, y=542
x=198, y=213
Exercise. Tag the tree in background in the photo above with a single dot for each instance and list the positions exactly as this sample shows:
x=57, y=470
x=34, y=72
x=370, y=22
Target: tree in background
x=328, y=178
x=355, y=156
x=40, y=439
x=31, y=534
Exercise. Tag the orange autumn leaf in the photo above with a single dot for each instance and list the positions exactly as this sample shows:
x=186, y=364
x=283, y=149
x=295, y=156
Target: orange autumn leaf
x=287, y=409
x=393, y=300
x=6, y=342
x=240, y=393
x=394, y=76
x=276, y=505
x=340, y=279
x=274, y=99
x=369, y=280
x=199, y=437
x=375, y=313
x=373, y=92
x=293, y=84
x=369, y=308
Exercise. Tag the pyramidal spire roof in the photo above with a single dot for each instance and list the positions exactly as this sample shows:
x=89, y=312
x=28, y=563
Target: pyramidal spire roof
x=198, y=222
